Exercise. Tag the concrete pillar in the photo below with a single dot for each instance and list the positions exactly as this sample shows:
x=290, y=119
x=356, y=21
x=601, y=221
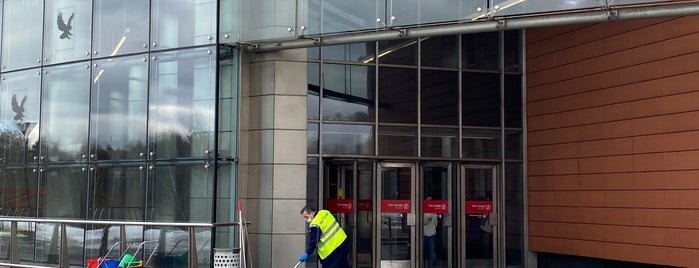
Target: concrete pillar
x=272, y=168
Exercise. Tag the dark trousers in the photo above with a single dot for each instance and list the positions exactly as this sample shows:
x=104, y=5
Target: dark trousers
x=339, y=258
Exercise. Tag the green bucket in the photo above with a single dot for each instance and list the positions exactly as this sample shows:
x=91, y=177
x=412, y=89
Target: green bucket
x=128, y=260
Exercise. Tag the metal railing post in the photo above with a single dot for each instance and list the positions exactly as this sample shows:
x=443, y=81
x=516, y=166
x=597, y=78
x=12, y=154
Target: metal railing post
x=64, y=259
x=122, y=238
x=193, y=263
x=14, y=244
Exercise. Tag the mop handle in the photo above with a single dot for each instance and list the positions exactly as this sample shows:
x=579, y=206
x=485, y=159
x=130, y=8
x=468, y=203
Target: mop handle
x=297, y=264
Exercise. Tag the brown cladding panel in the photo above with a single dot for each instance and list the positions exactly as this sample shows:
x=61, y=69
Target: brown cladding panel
x=627, y=54
x=613, y=140
x=599, y=81
x=683, y=83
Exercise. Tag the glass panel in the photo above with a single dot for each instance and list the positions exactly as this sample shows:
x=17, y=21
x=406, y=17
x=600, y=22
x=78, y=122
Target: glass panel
x=176, y=240
x=398, y=52
x=182, y=102
x=313, y=53
x=439, y=51
x=397, y=95
x=439, y=97
x=121, y=27
x=226, y=211
x=513, y=51
x=176, y=23
x=46, y=245
x=68, y=26
x=119, y=106
x=20, y=191
x=100, y=238
x=63, y=193
x=514, y=214
x=480, y=99
x=365, y=227
x=516, y=7
x=360, y=52
x=436, y=183
x=19, y=115
x=410, y=12
x=180, y=193
x=395, y=231
x=513, y=145
x=440, y=142
x=627, y=2
x=116, y=193
x=22, y=34
x=228, y=72
x=348, y=92
x=65, y=113
x=312, y=190
x=228, y=21
x=313, y=102
x=348, y=139
x=339, y=197
x=481, y=144
x=267, y=19
x=480, y=51
x=397, y=141
x=312, y=138
x=513, y=101
x=341, y=16
x=479, y=233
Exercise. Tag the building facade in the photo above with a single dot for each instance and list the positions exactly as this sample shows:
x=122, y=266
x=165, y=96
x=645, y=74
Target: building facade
x=523, y=143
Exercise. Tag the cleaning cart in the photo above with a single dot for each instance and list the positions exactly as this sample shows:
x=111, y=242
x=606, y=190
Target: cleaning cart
x=126, y=259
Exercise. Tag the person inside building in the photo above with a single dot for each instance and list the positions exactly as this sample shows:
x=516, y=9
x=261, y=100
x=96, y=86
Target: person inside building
x=326, y=237
x=430, y=232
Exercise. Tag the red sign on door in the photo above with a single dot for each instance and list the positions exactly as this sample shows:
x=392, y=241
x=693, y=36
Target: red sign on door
x=400, y=205
x=340, y=206
x=435, y=206
x=479, y=207
x=364, y=204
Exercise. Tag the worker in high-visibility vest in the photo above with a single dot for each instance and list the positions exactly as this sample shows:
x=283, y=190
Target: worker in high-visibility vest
x=327, y=237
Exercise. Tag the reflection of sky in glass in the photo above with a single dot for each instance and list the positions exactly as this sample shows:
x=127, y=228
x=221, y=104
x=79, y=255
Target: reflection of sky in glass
x=119, y=103
x=183, y=100
x=513, y=7
x=65, y=108
x=347, y=92
x=21, y=40
x=117, y=19
x=178, y=23
x=347, y=139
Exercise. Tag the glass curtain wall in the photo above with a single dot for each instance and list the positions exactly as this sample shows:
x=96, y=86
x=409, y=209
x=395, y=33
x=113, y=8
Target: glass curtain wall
x=122, y=110
x=447, y=98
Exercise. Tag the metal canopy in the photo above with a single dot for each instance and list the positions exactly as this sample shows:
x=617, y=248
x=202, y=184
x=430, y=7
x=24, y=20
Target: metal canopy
x=611, y=13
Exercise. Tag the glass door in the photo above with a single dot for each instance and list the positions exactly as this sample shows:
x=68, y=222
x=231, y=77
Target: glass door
x=478, y=216
x=436, y=221
x=396, y=232
x=348, y=190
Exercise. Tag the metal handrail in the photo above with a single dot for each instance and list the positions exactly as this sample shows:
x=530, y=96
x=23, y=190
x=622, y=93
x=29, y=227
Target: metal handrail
x=63, y=249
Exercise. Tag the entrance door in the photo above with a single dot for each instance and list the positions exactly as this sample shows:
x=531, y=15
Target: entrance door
x=396, y=233
x=436, y=182
x=347, y=193
x=478, y=216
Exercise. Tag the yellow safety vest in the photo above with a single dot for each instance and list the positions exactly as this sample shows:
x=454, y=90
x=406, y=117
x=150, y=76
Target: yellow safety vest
x=331, y=234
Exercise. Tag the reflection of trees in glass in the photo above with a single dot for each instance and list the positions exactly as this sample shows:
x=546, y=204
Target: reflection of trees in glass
x=108, y=152
x=12, y=146
x=170, y=143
